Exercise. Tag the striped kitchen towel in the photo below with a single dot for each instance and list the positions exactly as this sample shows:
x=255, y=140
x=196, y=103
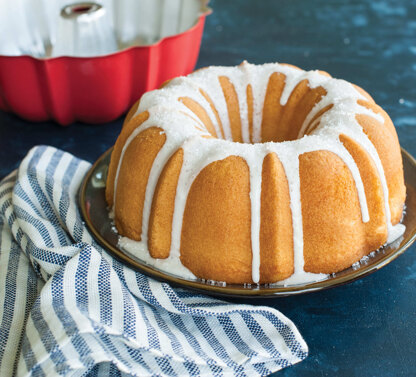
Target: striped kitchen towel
x=68, y=308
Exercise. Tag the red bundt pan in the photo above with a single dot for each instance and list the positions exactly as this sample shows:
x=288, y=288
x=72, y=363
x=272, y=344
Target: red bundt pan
x=94, y=89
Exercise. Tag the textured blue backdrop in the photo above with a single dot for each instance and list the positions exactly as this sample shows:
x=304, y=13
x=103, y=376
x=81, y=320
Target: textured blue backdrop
x=367, y=328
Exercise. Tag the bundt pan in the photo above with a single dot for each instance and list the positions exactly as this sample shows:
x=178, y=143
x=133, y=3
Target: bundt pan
x=42, y=80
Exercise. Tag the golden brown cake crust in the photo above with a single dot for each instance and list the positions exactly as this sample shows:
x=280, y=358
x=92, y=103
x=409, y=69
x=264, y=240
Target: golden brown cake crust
x=160, y=223
x=216, y=223
x=132, y=181
x=276, y=237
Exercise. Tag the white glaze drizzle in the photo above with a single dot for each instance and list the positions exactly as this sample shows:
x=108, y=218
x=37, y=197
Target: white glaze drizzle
x=200, y=152
x=159, y=115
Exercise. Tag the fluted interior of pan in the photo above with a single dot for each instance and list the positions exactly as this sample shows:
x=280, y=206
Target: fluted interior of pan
x=33, y=27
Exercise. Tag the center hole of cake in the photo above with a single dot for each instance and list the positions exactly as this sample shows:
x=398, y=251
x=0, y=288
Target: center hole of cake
x=269, y=119
x=274, y=125
x=274, y=120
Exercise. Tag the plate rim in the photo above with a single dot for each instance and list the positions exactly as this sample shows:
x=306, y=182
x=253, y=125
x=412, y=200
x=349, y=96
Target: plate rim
x=233, y=290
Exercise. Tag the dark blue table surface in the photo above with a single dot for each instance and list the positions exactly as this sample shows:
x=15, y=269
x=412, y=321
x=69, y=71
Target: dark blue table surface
x=367, y=328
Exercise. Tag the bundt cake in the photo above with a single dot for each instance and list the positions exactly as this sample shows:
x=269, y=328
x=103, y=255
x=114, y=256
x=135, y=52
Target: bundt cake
x=256, y=174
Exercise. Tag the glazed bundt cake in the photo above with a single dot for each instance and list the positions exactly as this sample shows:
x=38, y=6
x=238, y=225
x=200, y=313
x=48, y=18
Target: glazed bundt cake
x=256, y=173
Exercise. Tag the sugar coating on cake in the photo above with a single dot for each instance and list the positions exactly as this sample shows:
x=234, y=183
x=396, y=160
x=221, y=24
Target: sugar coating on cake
x=195, y=115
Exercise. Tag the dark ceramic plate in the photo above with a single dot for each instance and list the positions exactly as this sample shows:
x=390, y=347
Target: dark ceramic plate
x=94, y=210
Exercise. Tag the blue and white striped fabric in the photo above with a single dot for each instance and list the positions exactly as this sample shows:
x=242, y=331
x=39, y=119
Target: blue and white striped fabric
x=68, y=308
